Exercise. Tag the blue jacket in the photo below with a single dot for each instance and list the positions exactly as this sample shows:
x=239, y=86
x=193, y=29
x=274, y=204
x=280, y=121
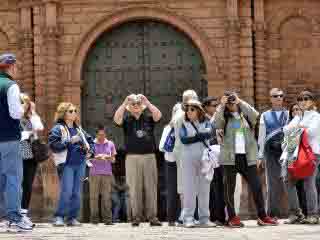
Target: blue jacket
x=76, y=152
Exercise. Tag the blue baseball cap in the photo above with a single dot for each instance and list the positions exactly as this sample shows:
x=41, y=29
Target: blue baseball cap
x=7, y=59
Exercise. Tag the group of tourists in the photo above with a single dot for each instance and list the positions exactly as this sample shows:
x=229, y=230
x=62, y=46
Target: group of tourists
x=205, y=145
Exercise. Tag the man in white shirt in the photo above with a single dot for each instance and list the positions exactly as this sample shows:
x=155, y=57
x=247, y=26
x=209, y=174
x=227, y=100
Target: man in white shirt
x=11, y=111
x=270, y=139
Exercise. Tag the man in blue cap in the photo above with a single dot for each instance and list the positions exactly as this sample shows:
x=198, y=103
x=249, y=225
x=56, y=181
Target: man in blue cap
x=11, y=111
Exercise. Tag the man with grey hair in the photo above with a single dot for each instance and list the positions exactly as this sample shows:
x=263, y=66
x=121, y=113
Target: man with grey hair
x=11, y=111
x=270, y=139
x=138, y=117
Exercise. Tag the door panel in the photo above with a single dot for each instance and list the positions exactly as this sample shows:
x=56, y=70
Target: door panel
x=146, y=57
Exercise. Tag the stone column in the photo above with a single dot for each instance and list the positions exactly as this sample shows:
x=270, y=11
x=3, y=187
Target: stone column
x=26, y=48
x=233, y=45
x=51, y=36
x=261, y=83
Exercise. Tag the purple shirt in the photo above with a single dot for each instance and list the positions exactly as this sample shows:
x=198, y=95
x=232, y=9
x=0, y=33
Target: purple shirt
x=103, y=167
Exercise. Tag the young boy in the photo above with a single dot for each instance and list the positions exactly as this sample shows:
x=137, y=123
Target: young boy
x=101, y=178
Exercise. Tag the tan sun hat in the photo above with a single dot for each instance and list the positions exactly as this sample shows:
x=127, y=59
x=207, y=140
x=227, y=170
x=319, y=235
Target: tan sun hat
x=135, y=99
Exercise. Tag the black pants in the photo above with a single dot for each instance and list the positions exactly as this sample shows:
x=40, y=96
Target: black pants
x=249, y=173
x=302, y=197
x=217, y=204
x=173, y=201
x=29, y=172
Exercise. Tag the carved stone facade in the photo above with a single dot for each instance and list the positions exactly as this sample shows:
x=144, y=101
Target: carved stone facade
x=246, y=45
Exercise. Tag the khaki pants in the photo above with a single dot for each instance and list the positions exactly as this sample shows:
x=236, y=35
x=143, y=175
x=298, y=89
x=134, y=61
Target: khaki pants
x=100, y=185
x=142, y=178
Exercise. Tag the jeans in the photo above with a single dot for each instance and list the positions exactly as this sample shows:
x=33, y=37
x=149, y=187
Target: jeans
x=249, y=173
x=275, y=185
x=29, y=172
x=119, y=202
x=10, y=180
x=310, y=189
x=70, y=191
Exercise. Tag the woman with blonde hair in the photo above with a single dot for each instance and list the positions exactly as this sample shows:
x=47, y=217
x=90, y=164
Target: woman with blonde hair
x=70, y=146
x=31, y=125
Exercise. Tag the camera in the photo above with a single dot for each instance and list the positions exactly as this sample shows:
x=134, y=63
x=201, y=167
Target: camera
x=231, y=99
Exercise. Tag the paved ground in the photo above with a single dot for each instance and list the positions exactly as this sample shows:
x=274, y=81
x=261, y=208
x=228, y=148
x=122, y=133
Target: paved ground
x=144, y=232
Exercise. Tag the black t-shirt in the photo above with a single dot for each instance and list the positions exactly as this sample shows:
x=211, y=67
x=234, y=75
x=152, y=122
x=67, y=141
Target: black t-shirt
x=139, y=133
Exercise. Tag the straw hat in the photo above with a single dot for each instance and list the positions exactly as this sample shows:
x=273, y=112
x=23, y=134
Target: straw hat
x=194, y=103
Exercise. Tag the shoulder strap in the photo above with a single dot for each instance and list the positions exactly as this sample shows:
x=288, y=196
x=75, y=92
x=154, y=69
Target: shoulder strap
x=195, y=128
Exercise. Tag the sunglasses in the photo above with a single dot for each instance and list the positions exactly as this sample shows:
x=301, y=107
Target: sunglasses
x=300, y=99
x=277, y=96
x=136, y=104
x=72, y=111
x=191, y=109
x=213, y=105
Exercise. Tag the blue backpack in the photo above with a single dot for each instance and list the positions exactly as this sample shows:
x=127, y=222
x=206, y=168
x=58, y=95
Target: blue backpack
x=169, y=142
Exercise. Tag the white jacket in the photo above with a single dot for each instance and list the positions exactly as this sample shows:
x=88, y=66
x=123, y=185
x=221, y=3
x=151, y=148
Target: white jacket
x=311, y=122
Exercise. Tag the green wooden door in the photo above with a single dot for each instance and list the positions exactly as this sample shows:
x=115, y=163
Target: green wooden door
x=146, y=57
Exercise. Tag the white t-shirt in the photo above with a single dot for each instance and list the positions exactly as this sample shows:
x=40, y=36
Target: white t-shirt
x=240, y=142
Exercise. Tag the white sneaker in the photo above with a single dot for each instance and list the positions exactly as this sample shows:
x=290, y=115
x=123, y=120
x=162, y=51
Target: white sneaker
x=19, y=227
x=189, y=225
x=208, y=224
x=58, y=222
x=28, y=221
x=4, y=224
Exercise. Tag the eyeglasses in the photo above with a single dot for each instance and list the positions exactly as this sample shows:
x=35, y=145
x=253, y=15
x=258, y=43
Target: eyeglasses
x=191, y=109
x=277, y=96
x=72, y=111
x=306, y=98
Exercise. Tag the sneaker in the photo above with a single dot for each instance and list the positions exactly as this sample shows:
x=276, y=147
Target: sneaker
x=108, y=223
x=189, y=225
x=155, y=223
x=295, y=219
x=73, y=223
x=28, y=221
x=235, y=222
x=311, y=220
x=208, y=224
x=219, y=224
x=267, y=221
x=18, y=227
x=4, y=224
x=58, y=222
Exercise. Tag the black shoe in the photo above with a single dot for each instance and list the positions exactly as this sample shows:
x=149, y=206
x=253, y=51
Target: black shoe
x=219, y=224
x=155, y=223
x=172, y=224
x=135, y=224
x=108, y=223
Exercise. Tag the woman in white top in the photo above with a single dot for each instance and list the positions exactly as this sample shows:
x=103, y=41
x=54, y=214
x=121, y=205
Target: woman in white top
x=310, y=121
x=31, y=125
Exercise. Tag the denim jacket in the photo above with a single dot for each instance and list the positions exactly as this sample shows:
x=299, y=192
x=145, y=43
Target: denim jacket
x=58, y=143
